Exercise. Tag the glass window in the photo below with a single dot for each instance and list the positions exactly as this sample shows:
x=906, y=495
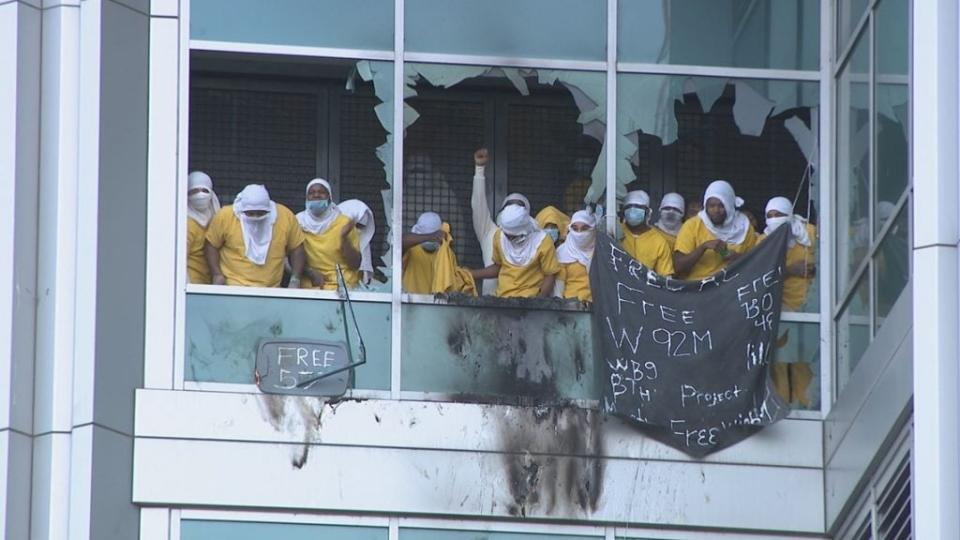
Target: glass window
x=892, y=265
x=780, y=34
x=853, y=331
x=542, y=130
x=796, y=366
x=198, y=529
x=344, y=24
x=849, y=13
x=223, y=333
x=892, y=115
x=568, y=29
x=486, y=352
x=258, y=119
x=445, y=534
x=853, y=164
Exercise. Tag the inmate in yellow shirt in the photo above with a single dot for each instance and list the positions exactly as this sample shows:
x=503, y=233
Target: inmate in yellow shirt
x=323, y=255
x=197, y=269
x=524, y=281
x=225, y=234
x=693, y=233
x=576, y=281
x=795, y=287
x=419, y=266
x=650, y=249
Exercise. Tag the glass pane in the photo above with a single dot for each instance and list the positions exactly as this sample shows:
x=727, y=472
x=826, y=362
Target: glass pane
x=849, y=13
x=892, y=117
x=492, y=353
x=196, y=529
x=223, y=332
x=543, y=130
x=259, y=119
x=569, y=29
x=853, y=332
x=779, y=34
x=345, y=24
x=892, y=265
x=679, y=133
x=444, y=534
x=853, y=164
x=796, y=367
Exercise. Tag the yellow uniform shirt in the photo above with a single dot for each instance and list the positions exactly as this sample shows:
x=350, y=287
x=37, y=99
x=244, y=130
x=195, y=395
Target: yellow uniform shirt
x=524, y=281
x=197, y=269
x=693, y=233
x=795, y=287
x=225, y=234
x=576, y=281
x=671, y=239
x=419, y=267
x=323, y=255
x=650, y=249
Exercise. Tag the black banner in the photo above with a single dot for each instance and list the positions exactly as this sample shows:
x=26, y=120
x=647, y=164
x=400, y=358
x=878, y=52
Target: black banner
x=687, y=362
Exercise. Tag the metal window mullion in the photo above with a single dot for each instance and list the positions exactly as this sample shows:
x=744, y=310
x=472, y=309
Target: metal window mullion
x=396, y=230
x=851, y=41
x=501, y=158
x=730, y=72
x=872, y=177
x=183, y=130
x=610, y=138
x=826, y=173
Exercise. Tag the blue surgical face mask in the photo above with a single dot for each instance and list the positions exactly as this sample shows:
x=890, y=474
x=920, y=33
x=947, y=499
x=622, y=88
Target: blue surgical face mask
x=430, y=246
x=318, y=207
x=635, y=216
x=554, y=234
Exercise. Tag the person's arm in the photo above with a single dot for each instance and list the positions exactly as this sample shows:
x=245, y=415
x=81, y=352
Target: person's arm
x=489, y=272
x=483, y=224
x=684, y=262
x=298, y=260
x=412, y=239
x=350, y=253
x=212, y=255
x=546, y=288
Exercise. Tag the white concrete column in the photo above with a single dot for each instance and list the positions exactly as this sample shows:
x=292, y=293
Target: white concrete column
x=935, y=265
x=19, y=149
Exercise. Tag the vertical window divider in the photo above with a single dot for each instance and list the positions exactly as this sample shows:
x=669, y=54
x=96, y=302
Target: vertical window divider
x=826, y=210
x=872, y=177
x=183, y=112
x=396, y=230
x=610, y=142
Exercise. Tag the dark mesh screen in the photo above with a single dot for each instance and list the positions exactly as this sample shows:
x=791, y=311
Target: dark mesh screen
x=549, y=159
x=361, y=171
x=242, y=137
x=438, y=168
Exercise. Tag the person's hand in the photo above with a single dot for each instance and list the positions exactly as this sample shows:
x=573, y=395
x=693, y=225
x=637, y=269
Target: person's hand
x=347, y=228
x=438, y=236
x=480, y=157
x=716, y=244
x=294, y=282
x=218, y=280
x=316, y=278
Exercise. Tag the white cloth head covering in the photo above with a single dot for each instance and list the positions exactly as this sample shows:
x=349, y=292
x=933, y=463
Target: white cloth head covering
x=318, y=225
x=515, y=220
x=256, y=234
x=516, y=197
x=638, y=197
x=201, y=212
x=361, y=214
x=579, y=245
x=672, y=200
x=428, y=222
x=798, y=225
x=735, y=227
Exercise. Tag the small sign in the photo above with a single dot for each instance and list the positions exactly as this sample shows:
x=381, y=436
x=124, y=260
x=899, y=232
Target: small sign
x=303, y=367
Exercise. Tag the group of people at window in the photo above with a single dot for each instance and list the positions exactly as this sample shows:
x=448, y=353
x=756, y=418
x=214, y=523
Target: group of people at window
x=525, y=255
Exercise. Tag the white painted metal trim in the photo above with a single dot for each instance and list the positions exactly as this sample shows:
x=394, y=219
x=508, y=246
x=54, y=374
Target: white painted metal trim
x=611, y=142
x=280, y=292
x=502, y=61
x=288, y=50
x=499, y=526
x=276, y=517
x=183, y=147
x=396, y=228
x=826, y=169
x=718, y=71
x=154, y=524
x=393, y=533
x=236, y=388
x=175, y=518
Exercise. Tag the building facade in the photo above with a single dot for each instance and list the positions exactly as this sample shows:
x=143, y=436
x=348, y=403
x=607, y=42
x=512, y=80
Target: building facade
x=129, y=405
